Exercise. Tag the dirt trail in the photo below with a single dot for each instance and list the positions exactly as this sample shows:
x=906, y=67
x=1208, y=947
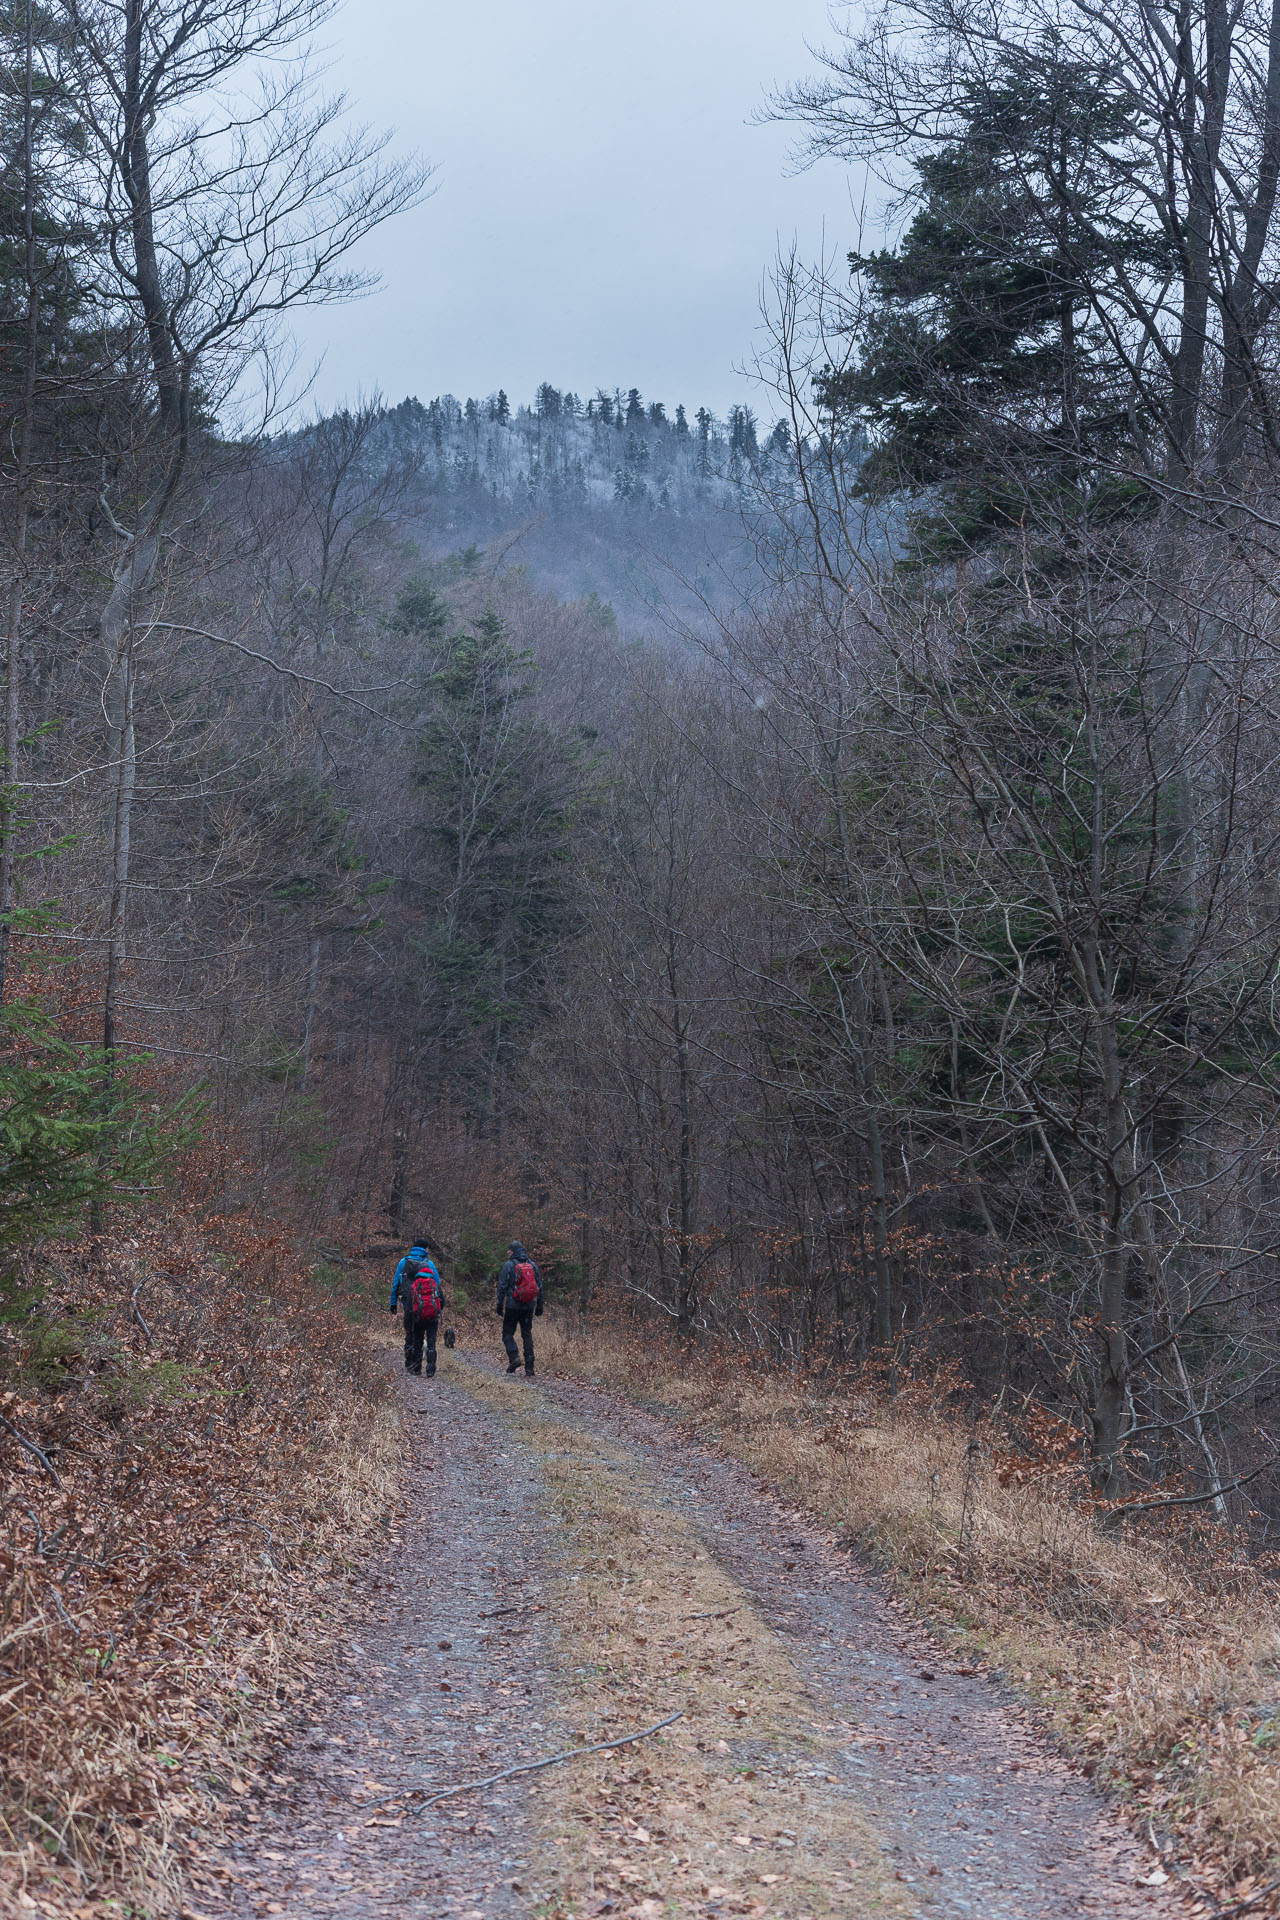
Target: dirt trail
x=436, y=1685
x=830, y=1761
x=977, y=1814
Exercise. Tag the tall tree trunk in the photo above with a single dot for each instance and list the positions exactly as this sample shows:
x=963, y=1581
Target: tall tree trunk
x=124, y=743
x=685, y=1155
x=1249, y=302
x=885, y=1317
x=399, y=1178
x=1203, y=97
x=1111, y=1397
x=309, y=1015
x=22, y=481
x=135, y=569
x=586, y=1281
x=880, y=1262
x=1111, y=1401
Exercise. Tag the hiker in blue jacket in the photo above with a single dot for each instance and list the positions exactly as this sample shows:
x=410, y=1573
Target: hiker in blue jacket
x=519, y=1299
x=416, y=1286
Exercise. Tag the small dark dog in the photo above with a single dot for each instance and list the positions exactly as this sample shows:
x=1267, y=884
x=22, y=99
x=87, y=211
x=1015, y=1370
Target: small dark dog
x=450, y=1337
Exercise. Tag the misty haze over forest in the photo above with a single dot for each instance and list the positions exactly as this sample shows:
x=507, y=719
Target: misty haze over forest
x=647, y=508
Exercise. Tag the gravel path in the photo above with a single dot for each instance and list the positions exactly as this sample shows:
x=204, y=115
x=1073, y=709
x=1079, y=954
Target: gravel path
x=433, y=1689
x=976, y=1815
x=979, y=1816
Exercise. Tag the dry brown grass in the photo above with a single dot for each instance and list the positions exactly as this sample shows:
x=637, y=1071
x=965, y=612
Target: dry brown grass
x=734, y=1804
x=1155, y=1657
x=224, y=1451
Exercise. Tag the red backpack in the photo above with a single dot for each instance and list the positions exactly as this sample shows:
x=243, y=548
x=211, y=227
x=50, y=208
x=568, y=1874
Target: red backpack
x=525, y=1290
x=426, y=1296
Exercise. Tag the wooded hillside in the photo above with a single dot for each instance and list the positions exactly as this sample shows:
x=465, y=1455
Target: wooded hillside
x=648, y=508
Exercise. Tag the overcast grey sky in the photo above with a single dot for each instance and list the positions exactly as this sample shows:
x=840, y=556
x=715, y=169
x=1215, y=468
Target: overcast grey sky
x=604, y=208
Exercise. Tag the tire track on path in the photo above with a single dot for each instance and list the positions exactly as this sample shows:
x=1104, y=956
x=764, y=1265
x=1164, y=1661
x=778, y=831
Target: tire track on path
x=980, y=1815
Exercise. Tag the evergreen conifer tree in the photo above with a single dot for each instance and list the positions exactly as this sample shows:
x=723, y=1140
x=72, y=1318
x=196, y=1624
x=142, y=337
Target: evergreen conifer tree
x=742, y=433
x=500, y=785
x=704, y=441
x=984, y=376
x=420, y=611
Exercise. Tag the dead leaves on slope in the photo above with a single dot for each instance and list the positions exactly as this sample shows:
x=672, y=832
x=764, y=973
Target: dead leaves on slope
x=161, y=1601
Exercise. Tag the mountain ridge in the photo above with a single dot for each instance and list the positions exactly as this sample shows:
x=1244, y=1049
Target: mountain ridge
x=610, y=496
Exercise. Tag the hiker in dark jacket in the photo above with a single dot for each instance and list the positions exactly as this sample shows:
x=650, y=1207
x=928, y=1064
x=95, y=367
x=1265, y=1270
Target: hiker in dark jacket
x=418, y=1327
x=519, y=1298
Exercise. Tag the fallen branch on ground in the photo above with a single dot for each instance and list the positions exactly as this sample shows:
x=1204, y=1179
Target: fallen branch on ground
x=527, y=1766
x=1238, y=1908
x=722, y=1615
x=31, y=1447
x=135, y=1313
x=1126, y=1507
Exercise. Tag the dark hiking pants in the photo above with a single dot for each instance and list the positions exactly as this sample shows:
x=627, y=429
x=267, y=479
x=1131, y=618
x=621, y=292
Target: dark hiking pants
x=416, y=1330
x=521, y=1317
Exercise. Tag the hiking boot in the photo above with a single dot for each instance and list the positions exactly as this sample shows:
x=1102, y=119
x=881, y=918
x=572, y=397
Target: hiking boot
x=431, y=1373
x=513, y=1366
x=528, y=1373
x=416, y=1370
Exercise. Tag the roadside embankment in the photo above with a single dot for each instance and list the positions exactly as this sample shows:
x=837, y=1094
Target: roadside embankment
x=197, y=1449
x=1152, y=1654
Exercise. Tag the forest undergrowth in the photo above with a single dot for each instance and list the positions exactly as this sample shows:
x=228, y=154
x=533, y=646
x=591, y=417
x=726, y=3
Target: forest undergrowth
x=1152, y=1654
x=196, y=1447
